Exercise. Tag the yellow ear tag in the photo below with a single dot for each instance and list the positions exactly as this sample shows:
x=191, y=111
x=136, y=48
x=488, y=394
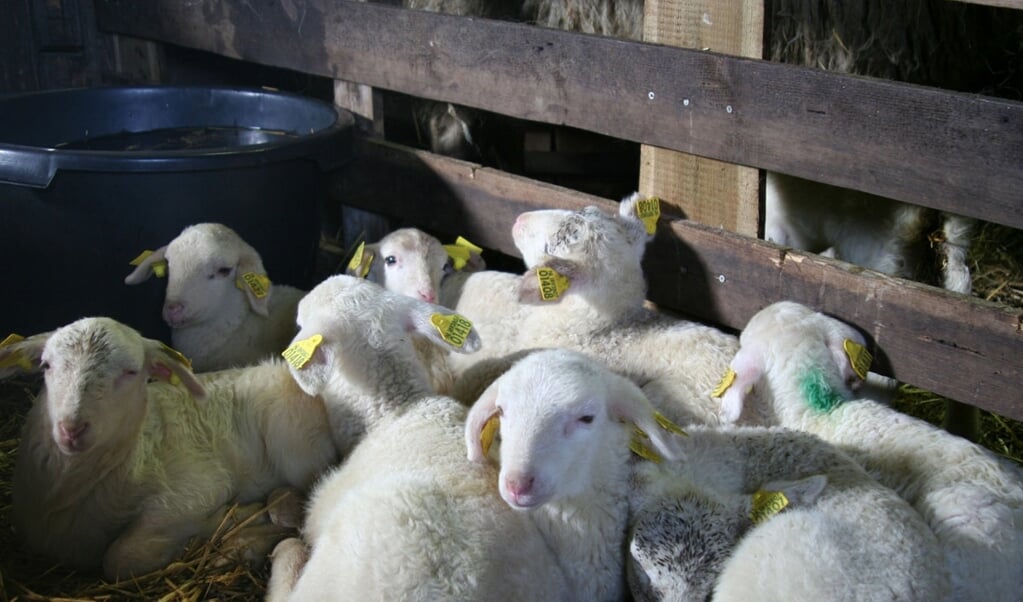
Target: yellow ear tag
x=488, y=432
x=638, y=446
x=299, y=353
x=177, y=355
x=668, y=425
x=459, y=255
x=361, y=261
x=726, y=382
x=159, y=267
x=766, y=504
x=17, y=358
x=11, y=339
x=649, y=210
x=859, y=357
x=552, y=284
x=453, y=328
x=259, y=284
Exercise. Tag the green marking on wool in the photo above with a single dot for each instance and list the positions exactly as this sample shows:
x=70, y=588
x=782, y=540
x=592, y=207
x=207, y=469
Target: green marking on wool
x=818, y=393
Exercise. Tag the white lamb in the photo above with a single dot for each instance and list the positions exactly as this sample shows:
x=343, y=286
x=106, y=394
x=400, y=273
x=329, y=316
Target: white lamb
x=406, y=516
x=222, y=309
x=692, y=529
x=116, y=473
x=588, y=264
x=801, y=367
x=411, y=262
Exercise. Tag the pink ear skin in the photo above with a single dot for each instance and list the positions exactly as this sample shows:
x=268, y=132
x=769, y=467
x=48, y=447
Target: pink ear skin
x=748, y=368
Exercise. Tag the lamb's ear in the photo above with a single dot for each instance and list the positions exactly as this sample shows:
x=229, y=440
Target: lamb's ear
x=802, y=492
x=310, y=358
x=251, y=278
x=170, y=365
x=736, y=385
x=849, y=350
x=639, y=214
x=444, y=327
x=18, y=354
x=362, y=264
x=479, y=424
x=147, y=264
x=627, y=403
x=548, y=281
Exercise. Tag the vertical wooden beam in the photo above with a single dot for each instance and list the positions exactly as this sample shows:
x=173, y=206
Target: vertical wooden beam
x=710, y=192
x=364, y=102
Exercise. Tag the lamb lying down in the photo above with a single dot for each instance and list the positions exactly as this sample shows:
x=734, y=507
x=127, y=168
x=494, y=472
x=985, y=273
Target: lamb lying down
x=804, y=368
x=118, y=473
x=220, y=304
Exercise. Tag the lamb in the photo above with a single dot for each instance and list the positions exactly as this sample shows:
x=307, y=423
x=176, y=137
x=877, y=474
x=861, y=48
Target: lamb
x=118, y=474
x=411, y=262
x=222, y=309
x=406, y=516
x=860, y=527
x=566, y=425
x=590, y=267
x=803, y=368
x=680, y=535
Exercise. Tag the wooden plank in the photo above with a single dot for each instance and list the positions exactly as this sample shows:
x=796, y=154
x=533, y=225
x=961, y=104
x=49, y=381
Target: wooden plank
x=1018, y=4
x=364, y=103
x=708, y=191
x=721, y=277
x=954, y=152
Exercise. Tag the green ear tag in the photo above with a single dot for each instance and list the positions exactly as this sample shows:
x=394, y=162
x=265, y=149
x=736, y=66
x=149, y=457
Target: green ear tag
x=552, y=284
x=453, y=328
x=299, y=353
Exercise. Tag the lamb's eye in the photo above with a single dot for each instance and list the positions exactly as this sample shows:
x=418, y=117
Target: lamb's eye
x=390, y=260
x=587, y=419
x=224, y=272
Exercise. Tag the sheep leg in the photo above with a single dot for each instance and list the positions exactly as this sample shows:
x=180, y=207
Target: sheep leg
x=144, y=547
x=287, y=561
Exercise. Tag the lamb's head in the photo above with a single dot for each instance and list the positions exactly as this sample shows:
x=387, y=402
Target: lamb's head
x=211, y=274
x=352, y=331
x=95, y=373
x=586, y=250
x=407, y=261
x=562, y=418
x=792, y=358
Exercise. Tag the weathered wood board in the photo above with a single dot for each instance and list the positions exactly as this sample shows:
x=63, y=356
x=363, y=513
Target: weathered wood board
x=954, y=152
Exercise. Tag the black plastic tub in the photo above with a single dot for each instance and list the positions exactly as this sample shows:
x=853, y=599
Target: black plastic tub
x=91, y=177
